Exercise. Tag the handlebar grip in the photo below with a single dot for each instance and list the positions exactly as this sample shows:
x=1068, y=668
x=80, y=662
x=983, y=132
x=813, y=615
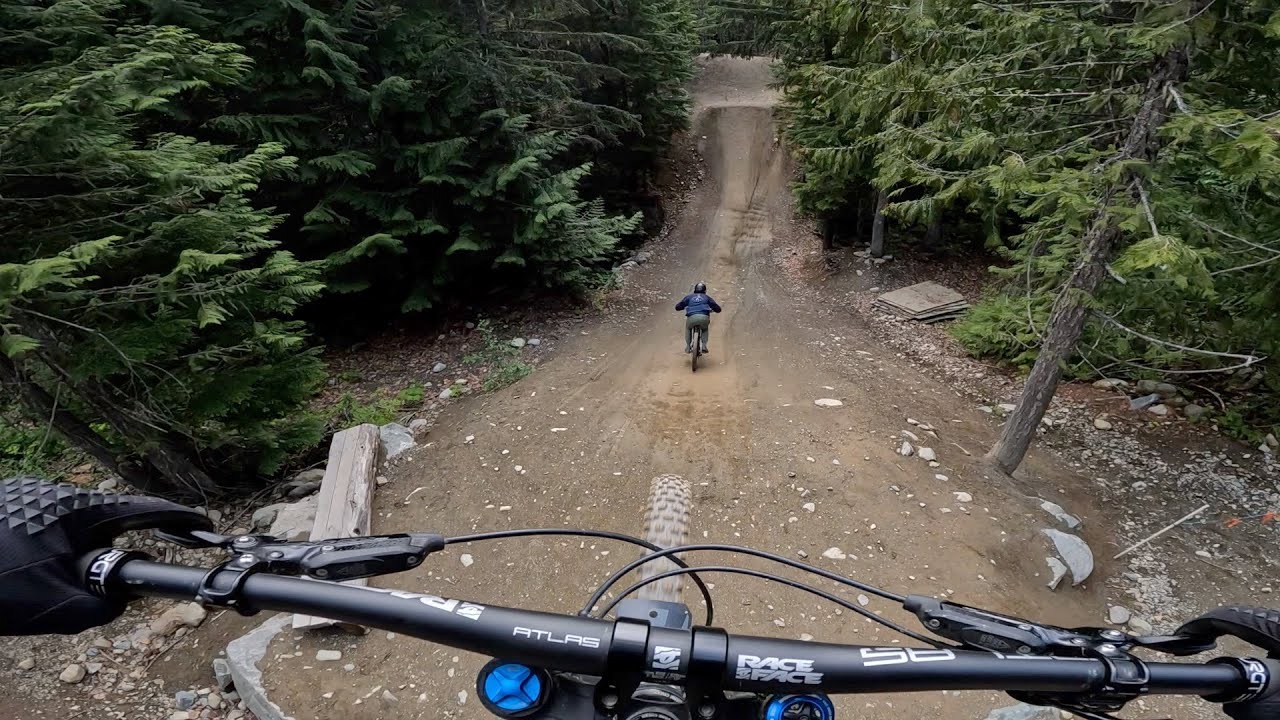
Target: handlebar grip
x=1259, y=627
x=1265, y=704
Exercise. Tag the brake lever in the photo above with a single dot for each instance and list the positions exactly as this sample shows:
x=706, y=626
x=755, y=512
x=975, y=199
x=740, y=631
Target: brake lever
x=339, y=559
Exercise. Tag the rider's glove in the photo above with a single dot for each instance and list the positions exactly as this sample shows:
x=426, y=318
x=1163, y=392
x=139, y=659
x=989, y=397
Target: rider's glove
x=1258, y=627
x=44, y=528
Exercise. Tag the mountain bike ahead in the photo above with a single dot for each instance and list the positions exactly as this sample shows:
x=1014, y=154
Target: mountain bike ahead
x=651, y=663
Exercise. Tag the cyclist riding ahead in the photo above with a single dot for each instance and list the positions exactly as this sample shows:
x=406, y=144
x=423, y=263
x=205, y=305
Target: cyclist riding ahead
x=59, y=574
x=697, y=307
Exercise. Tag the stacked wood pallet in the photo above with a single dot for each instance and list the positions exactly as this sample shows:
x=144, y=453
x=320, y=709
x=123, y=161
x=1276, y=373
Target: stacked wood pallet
x=926, y=302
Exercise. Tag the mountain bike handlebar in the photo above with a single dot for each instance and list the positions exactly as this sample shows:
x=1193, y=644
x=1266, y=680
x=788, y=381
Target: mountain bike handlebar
x=618, y=650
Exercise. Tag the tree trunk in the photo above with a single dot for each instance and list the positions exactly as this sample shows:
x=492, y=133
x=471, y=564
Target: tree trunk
x=827, y=226
x=1066, y=320
x=877, y=225
x=933, y=234
x=42, y=406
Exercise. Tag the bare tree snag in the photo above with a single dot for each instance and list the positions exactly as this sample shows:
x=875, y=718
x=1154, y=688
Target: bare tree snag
x=877, y=225
x=1099, y=245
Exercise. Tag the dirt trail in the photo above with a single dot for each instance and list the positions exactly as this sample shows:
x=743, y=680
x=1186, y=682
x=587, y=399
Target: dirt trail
x=577, y=443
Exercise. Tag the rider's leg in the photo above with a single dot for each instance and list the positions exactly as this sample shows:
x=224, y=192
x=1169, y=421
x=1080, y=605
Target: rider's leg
x=703, y=322
x=688, y=334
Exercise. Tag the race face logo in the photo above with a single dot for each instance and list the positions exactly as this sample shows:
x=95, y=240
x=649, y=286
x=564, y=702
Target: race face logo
x=470, y=611
x=666, y=658
x=772, y=669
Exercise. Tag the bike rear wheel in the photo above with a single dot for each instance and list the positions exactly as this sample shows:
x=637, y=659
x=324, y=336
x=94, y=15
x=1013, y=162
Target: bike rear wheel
x=697, y=347
x=666, y=524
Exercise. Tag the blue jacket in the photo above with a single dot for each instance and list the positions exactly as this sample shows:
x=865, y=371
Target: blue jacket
x=697, y=304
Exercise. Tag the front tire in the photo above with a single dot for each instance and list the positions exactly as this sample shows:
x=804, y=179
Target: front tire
x=666, y=524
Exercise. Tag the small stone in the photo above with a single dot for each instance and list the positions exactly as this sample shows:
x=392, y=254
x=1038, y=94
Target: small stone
x=301, y=490
x=806, y=637
x=1109, y=384
x=1140, y=626
x=1145, y=401
x=214, y=700
x=1138, y=486
x=439, y=367
x=910, y=436
x=517, y=342
x=328, y=656
x=1193, y=411
x=828, y=402
x=779, y=622
x=791, y=474
x=1006, y=408
x=462, y=697
x=963, y=497
x=179, y=715
x=534, y=342
x=381, y=480
x=184, y=699
x=222, y=674
x=93, y=668
x=1056, y=510
x=1118, y=615
x=1271, y=440
x=349, y=667
x=809, y=507
x=834, y=553
x=26, y=664
x=467, y=560
x=263, y=517
x=863, y=600
x=108, y=485
x=802, y=553
x=906, y=450
x=941, y=477
x=1023, y=711
x=1159, y=409
x=419, y=426
x=183, y=615
x=1204, y=553
x=927, y=454
x=122, y=645
x=1102, y=423
x=445, y=394
x=389, y=698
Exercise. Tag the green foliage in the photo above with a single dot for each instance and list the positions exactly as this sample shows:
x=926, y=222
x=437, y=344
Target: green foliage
x=502, y=361
x=1009, y=118
x=383, y=407
x=27, y=448
x=178, y=178
x=438, y=143
x=139, y=286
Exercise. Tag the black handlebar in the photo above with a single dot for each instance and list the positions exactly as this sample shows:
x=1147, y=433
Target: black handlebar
x=591, y=646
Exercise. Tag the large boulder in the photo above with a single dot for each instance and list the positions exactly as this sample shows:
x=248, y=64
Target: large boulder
x=294, y=521
x=1074, y=552
x=396, y=439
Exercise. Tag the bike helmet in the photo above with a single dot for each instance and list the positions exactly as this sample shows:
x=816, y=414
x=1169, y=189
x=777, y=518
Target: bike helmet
x=700, y=287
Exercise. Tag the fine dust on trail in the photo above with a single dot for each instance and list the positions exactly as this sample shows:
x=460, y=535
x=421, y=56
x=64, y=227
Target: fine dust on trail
x=576, y=444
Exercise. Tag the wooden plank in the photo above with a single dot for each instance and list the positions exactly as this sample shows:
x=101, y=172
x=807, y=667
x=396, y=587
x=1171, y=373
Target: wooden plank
x=921, y=297
x=346, y=496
